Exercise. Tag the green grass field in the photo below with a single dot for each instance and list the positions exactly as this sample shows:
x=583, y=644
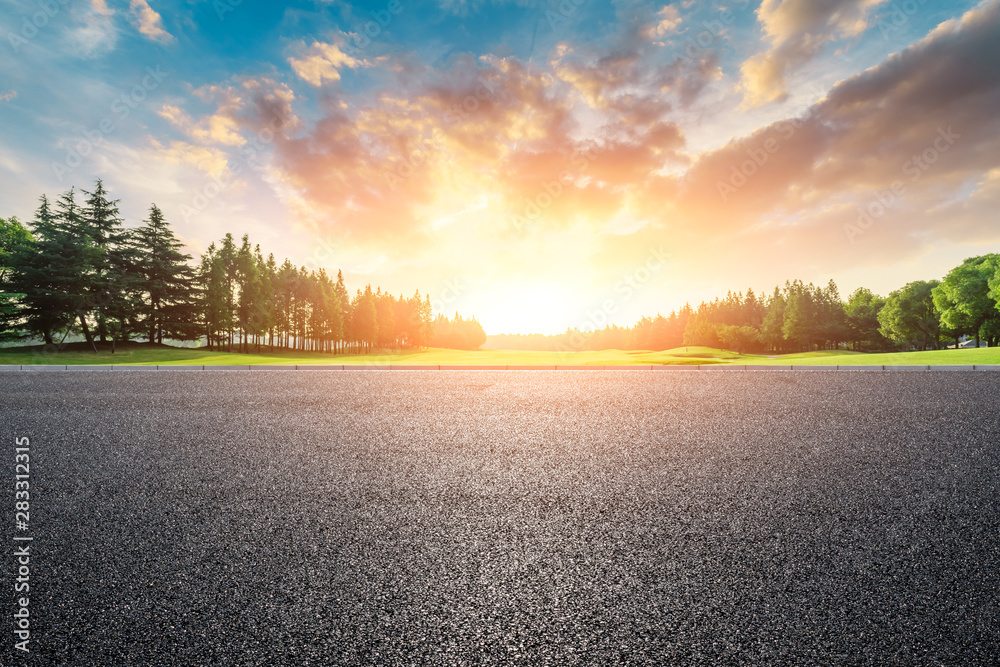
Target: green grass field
x=164, y=355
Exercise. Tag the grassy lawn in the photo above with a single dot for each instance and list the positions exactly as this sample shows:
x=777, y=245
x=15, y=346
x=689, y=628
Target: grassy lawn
x=164, y=355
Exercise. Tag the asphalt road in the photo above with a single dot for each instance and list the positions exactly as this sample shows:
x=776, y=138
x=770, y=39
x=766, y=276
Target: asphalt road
x=276, y=518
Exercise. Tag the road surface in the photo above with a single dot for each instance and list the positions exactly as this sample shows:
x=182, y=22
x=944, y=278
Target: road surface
x=502, y=518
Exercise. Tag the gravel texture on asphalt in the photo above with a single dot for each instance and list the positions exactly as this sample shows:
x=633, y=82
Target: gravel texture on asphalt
x=497, y=518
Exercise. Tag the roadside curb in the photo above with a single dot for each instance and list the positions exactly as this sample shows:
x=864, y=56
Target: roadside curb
x=431, y=367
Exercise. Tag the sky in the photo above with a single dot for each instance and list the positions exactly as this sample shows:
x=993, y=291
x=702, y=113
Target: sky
x=540, y=164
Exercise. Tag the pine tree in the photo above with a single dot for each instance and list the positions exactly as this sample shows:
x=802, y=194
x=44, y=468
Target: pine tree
x=169, y=305
x=102, y=221
x=227, y=258
x=216, y=298
x=386, y=317
x=365, y=318
x=284, y=289
x=72, y=275
x=772, y=329
x=345, y=307
x=250, y=315
x=265, y=304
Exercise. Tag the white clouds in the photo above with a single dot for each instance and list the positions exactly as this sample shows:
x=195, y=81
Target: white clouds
x=96, y=36
x=101, y=7
x=798, y=30
x=323, y=62
x=668, y=20
x=212, y=129
x=211, y=161
x=146, y=20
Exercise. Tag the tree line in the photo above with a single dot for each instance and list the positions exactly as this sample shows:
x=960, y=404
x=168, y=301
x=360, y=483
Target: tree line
x=76, y=269
x=799, y=317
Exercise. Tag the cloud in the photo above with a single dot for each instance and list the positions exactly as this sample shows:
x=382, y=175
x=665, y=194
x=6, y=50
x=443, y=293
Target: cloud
x=251, y=105
x=797, y=31
x=907, y=141
x=634, y=83
x=96, y=35
x=323, y=62
x=211, y=161
x=7, y=97
x=390, y=173
x=211, y=129
x=570, y=169
x=146, y=20
x=668, y=20
x=101, y=7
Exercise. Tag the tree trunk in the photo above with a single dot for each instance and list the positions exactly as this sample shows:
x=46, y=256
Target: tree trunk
x=86, y=332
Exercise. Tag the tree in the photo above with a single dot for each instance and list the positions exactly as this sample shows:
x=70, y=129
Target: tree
x=365, y=318
x=799, y=327
x=111, y=259
x=227, y=258
x=963, y=297
x=740, y=339
x=169, y=304
x=45, y=309
x=284, y=296
x=386, y=316
x=993, y=326
x=250, y=314
x=266, y=310
x=831, y=317
x=83, y=266
x=772, y=330
x=457, y=334
x=215, y=297
x=909, y=317
x=701, y=332
x=862, y=309
x=12, y=235
x=55, y=273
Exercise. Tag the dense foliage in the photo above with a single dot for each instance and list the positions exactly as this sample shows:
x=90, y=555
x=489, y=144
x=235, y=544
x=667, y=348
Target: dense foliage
x=798, y=318
x=76, y=269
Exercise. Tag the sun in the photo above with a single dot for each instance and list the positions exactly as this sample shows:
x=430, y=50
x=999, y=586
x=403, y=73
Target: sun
x=526, y=308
